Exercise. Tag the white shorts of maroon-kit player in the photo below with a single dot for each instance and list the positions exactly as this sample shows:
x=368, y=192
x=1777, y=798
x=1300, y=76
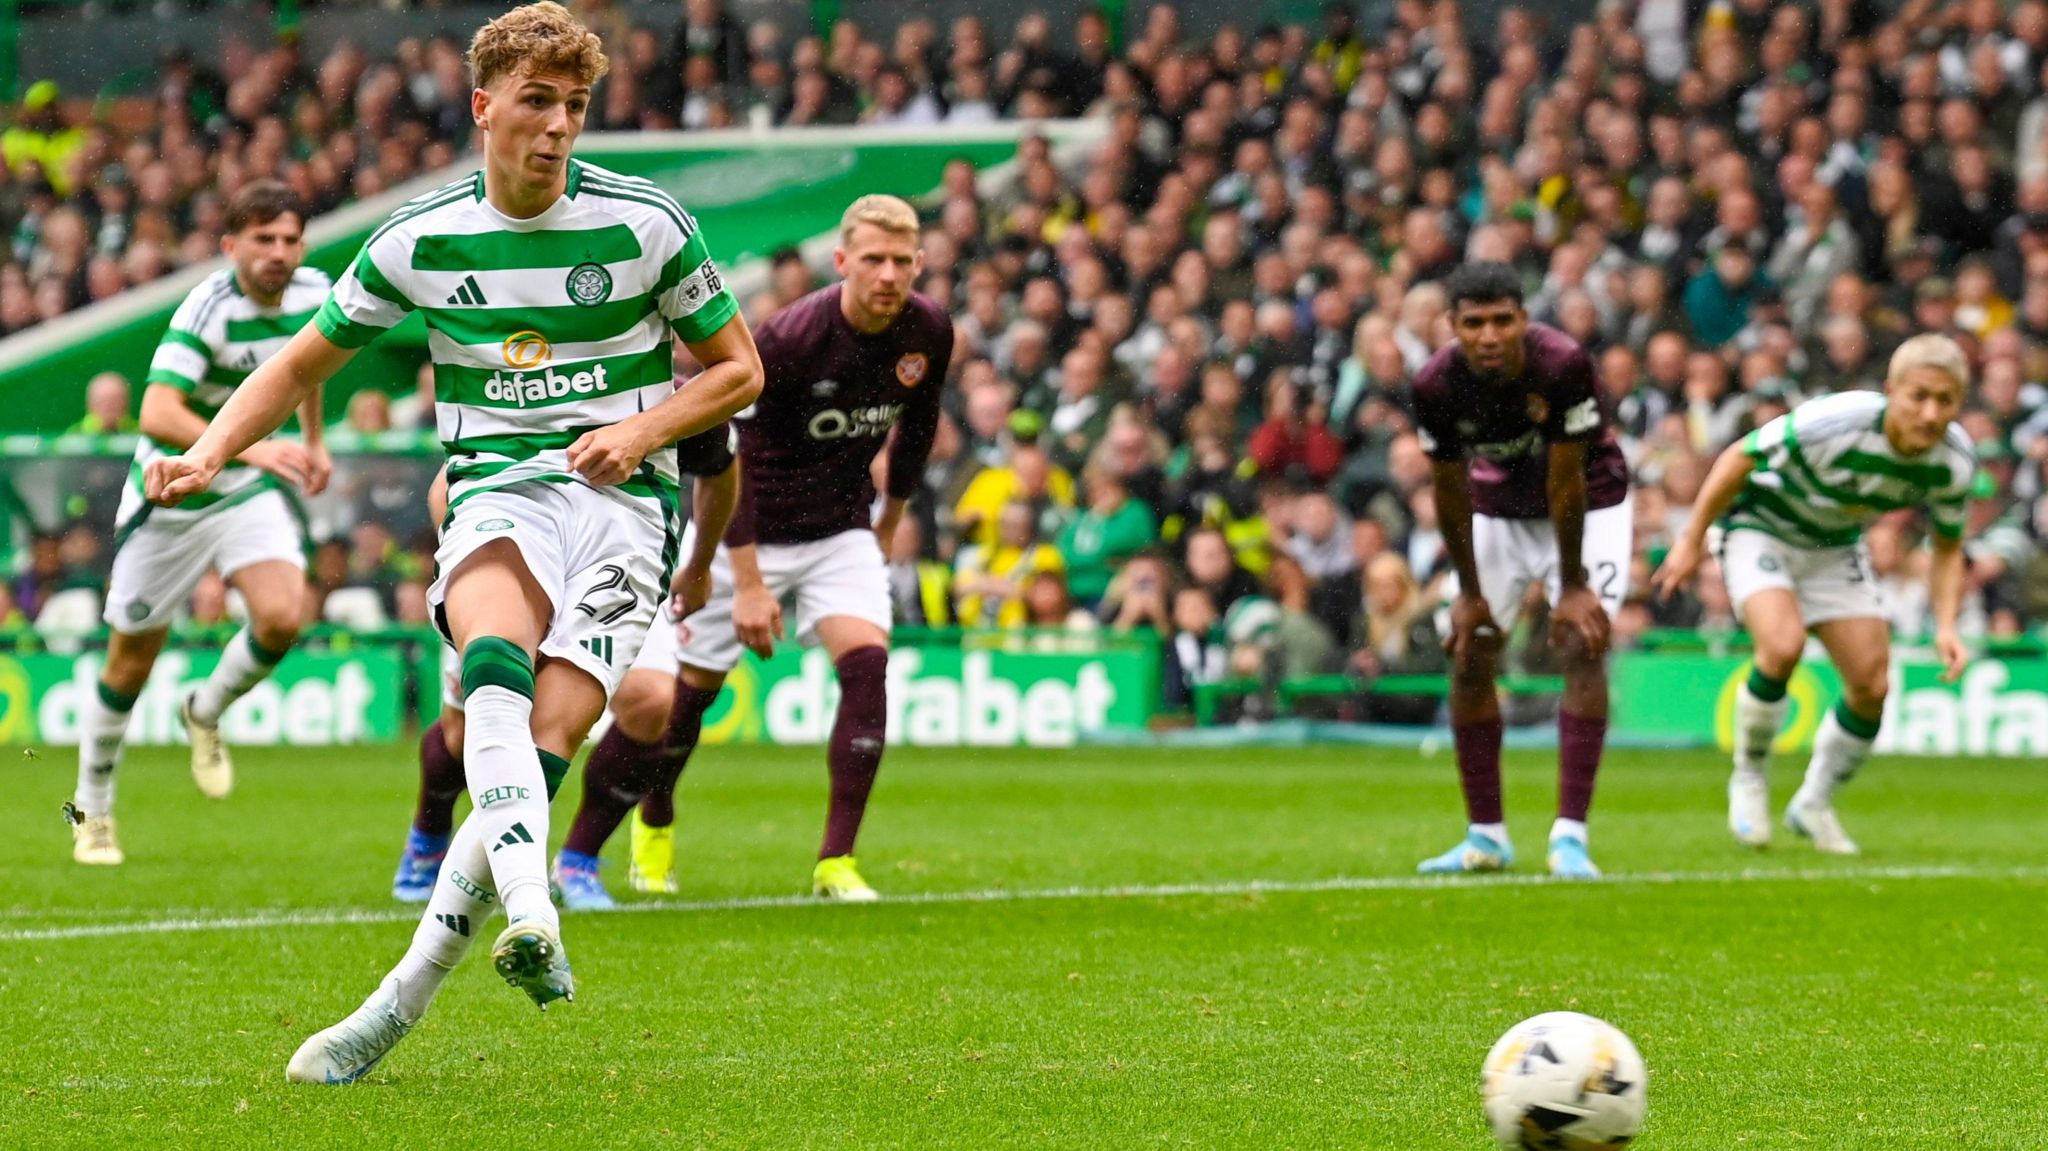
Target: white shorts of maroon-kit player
x=838, y=575
x=1512, y=554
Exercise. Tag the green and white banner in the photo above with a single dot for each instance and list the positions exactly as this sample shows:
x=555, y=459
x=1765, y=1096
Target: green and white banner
x=1999, y=707
x=314, y=699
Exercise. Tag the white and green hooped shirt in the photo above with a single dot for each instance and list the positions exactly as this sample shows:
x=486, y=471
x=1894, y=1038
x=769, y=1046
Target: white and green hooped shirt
x=216, y=338
x=540, y=329
x=1825, y=470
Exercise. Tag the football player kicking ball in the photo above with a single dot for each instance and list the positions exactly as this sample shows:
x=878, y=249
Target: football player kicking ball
x=707, y=458
x=551, y=291
x=247, y=527
x=1792, y=500
x=1530, y=485
x=844, y=366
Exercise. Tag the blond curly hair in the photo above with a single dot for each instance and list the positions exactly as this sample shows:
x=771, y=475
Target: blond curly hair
x=536, y=39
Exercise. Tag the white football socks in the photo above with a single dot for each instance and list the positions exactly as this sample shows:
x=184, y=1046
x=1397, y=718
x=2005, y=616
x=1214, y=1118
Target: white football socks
x=242, y=666
x=1837, y=754
x=1757, y=723
x=510, y=792
x=463, y=902
x=99, y=751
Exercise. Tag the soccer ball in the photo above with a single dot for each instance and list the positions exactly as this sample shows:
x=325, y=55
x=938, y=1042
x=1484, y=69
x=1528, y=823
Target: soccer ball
x=1564, y=1082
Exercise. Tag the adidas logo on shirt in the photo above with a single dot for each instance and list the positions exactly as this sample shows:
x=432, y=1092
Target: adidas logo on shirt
x=468, y=293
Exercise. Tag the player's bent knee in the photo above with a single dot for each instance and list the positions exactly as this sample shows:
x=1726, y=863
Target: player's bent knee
x=641, y=706
x=1866, y=693
x=1477, y=671
x=1577, y=656
x=1778, y=657
x=275, y=634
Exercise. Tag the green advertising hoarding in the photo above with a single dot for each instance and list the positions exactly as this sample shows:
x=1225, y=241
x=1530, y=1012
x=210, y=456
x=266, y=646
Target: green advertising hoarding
x=940, y=695
x=315, y=698
x=752, y=193
x=1999, y=707
x=946, y=697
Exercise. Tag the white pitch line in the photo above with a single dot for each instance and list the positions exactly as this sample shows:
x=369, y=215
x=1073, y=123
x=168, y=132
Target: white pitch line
x=328, y=917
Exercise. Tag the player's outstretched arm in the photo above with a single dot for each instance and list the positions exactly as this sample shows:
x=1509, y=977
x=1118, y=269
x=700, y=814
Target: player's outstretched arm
x=167, y=417
x=259, y=407
x=1945, y=595
x=1472, y=625
x=1724, y=482
x=731, y=380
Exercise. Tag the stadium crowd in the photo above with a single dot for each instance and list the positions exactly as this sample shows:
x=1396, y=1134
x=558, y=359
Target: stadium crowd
x=1179, y=391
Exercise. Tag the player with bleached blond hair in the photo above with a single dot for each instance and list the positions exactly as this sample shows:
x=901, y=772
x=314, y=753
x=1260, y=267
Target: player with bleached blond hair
x=852, y=369
x=1790, y=503
x=552, y=292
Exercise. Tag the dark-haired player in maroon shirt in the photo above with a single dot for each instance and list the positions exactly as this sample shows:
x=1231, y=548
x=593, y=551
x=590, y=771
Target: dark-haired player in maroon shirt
x=1530, y=485
x=845, y=367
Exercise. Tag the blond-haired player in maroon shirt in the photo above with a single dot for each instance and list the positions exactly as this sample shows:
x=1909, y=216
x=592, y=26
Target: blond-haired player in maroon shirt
x=845, y=367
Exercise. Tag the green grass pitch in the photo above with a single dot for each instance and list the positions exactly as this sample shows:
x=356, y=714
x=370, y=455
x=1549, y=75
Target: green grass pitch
x=1221, y=949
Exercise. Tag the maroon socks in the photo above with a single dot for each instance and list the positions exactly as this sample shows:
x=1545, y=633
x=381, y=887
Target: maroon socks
x=685, y=723
x=857, y=743
x=441, y=782
x=1479, y=768
x=621, y=770
x=1580, y=740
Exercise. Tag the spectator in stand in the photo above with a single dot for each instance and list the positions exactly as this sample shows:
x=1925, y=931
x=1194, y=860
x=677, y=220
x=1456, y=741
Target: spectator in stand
x=1266, y=213
x=1720, y=298
x=989, y=579
x=1056, y=624
x=1196, y=654
x=1081, y=407
x=1106, y=532
x=1320, y=536
x=415, y=410
x=14, y=623
x=1140, y=596
x=1212, y=566
x=108, y=410
x=921, y=590
x=1027, y=473
x=1394, y=635
x=369, y=413
x=1296, y=436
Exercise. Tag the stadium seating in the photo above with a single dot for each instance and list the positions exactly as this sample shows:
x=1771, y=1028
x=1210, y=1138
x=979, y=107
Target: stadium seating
x=1210, y=323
